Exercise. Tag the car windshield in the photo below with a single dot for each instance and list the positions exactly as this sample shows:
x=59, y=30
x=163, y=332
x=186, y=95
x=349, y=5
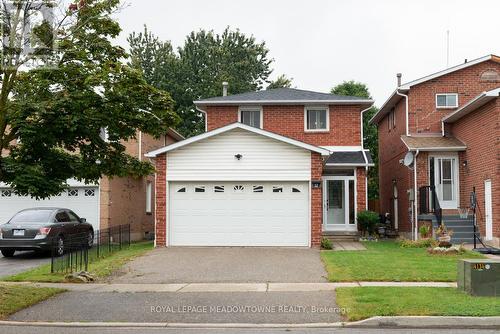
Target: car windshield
x=31, y=217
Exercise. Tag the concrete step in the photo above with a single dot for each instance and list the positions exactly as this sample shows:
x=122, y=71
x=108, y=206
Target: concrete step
x=341, y=235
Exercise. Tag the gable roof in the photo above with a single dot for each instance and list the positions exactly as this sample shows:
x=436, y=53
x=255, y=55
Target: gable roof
x=472, y=105
x=230, y=127
x=394, y=98
x=283, y=96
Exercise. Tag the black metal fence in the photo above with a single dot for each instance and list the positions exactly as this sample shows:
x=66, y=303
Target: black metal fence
x=429, y=202
x=78, y=252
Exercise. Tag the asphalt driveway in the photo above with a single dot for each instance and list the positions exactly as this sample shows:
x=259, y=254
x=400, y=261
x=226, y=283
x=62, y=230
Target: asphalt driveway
x=224, y=265
x=21, y=261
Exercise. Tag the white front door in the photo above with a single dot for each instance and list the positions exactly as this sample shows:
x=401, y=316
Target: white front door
x=488, y=209
x=339, y=203
x=239, y=213
x=444, y=176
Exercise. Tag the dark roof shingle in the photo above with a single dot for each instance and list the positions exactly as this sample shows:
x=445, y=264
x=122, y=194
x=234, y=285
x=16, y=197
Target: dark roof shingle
x=280, y=95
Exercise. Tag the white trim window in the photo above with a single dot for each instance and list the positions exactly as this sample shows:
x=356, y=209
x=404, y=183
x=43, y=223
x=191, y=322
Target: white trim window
x=316, y=119
x=447, y=100
x=149, y=196
x=251, y=116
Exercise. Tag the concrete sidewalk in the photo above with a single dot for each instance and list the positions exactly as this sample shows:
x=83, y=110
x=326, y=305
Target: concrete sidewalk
x=226, y=287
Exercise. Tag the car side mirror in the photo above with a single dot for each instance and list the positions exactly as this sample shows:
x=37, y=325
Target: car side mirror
x=83, y=220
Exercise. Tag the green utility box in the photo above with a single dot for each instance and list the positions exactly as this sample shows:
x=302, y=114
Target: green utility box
x=479, y=277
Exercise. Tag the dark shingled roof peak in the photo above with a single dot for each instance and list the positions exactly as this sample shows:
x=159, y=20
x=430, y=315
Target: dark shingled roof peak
x=283, y=95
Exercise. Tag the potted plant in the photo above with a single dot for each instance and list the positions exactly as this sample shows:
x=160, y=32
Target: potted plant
x=444, y=235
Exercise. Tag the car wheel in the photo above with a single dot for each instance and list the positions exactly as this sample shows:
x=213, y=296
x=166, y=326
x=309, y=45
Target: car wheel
x=90, y=240
x=59, y=246
x=8, y=252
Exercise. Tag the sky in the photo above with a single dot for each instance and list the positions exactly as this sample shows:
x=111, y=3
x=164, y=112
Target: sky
x=322, y=43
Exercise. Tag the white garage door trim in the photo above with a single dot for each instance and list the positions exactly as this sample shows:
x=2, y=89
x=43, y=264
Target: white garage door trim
x=298, y=240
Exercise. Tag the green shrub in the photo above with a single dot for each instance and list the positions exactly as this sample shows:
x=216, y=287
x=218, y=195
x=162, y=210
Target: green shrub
x=424, y=230
x=326, y=243
x=422, y=243
x=367, y=220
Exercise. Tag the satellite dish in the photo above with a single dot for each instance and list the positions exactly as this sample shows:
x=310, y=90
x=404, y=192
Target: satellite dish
x=408, y=160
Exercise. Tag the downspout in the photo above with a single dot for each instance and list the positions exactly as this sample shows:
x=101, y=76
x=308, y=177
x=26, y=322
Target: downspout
x=205, y=118
x=364, y=156
x=406, y=107
x=366, y=179
x=415, y=197
x=140, y=145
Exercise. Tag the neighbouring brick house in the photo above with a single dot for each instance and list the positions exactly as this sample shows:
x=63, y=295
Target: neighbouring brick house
x=111, y=202
x=447, y=125
x=280, y=167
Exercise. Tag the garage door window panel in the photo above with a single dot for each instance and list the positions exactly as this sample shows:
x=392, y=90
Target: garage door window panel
x=73, y=192
x=199, y=189
x=258, y=189
x=219, y=189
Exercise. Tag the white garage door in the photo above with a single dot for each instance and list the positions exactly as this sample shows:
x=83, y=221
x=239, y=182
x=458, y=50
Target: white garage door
x=239, y=214
x=84, y=201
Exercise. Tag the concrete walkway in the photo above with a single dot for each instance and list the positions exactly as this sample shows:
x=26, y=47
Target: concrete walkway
x=348, y=246
x=227, y=287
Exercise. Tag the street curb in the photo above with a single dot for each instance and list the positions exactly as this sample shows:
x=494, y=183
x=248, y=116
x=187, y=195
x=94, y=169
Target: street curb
x=422, y=322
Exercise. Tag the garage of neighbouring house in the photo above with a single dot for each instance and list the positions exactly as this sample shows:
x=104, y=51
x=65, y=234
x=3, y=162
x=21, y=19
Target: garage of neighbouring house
x=81, y=198
x=238, y=186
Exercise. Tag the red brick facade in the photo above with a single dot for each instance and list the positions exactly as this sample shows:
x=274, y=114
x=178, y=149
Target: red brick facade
x=288, y=121
x=161, y=201
x=478, y=131
x=316, y=200
x=481, y=131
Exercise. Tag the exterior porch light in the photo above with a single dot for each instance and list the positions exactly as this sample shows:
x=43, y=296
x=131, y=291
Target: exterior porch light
x=238, y=156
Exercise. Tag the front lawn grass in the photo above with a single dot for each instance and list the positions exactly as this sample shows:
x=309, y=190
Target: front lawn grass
x=364, y=302
x=387, y=261
x=16, y=297
x=101, y=268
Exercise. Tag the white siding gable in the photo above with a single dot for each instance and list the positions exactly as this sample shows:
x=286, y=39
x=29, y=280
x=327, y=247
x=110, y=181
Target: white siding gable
x=214, y=159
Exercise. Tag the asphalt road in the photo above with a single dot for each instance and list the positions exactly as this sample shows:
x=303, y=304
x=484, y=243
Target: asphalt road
x=192, y=307
x=66, y=330
x=21, y=261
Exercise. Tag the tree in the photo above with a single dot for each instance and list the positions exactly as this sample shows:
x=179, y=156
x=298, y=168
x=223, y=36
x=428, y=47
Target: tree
x=281, y=82
x=201, y=65
x=370, y=136
x=58, y=99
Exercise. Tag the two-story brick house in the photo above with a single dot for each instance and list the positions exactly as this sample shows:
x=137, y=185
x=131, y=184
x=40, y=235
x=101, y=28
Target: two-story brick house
x=279, y=167
x=110, y=202
x=447, y=125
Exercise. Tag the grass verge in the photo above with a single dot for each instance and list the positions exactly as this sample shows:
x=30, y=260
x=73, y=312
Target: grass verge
x=16, y=297
x=100, y=268
x=365, y=302
x=387, y=261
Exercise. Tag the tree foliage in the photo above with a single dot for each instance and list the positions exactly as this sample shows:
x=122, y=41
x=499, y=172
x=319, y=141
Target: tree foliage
x=199, y=67
x=281, y=81
x=56, y=100
x=370, y=135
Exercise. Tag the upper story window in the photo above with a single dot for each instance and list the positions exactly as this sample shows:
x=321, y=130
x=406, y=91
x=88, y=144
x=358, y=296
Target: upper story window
x=316, y=119
x=447, y=100
x=391, y=119
x=251, y=116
